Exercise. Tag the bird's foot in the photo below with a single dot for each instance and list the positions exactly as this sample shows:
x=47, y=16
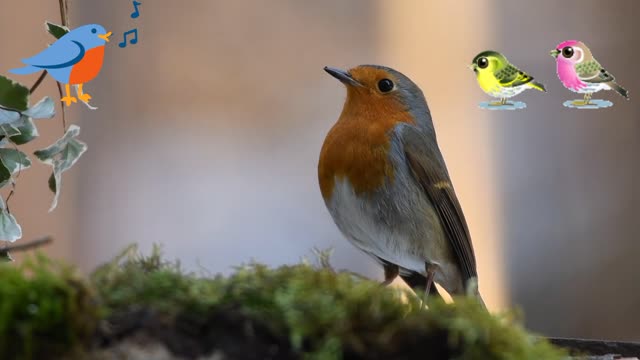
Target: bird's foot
x=84, y=97
x=495, y=103
x=391, y=272
x=68, y=100
x=431, y=273
x=580, y=102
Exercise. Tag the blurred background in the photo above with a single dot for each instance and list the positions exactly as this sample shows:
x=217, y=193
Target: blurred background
x=208, y=132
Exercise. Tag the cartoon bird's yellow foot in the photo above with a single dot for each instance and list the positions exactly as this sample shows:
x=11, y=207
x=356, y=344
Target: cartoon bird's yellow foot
x=585, y=101
x=502, y=102
x=579, y=102
x=84, y=97
x=68, y=100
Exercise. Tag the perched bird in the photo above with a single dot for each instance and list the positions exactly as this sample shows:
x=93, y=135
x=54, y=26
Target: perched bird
x=74, y=59
x=385, y=183
x=498, y=78
x=579, y=71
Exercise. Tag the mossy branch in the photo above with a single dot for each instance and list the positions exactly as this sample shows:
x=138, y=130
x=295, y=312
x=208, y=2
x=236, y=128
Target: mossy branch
x=291, y=312
x=135, y=303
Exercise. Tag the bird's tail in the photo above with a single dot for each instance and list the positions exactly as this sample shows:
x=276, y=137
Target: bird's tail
x=538, y=86
x=25, y=70
x=619, y=89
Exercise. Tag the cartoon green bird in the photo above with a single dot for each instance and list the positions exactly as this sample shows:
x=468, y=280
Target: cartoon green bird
x=498, y=78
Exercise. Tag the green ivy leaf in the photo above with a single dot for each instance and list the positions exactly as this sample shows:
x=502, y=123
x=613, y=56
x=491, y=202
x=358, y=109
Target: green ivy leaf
x=14, y=160
x=43, y=109
x=10, y=230
x=5, y=175
x=62, y=155
x=13, y=95
x=8, y=130
x=56, y=30
x=11, y=161
x=8, y=115
x=52, y=184
x=27, y=131
x=21, y=130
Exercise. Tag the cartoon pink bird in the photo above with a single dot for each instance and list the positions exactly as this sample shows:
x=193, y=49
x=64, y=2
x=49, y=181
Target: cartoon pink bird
x=579, y=71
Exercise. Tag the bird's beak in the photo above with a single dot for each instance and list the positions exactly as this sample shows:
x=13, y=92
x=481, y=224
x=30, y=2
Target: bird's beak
x=472, y=67
x=554, y=53
x=342, y=75
x=105, y=37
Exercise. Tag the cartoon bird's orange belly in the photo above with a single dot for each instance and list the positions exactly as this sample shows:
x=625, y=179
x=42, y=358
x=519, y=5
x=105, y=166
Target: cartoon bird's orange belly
x=87, y=68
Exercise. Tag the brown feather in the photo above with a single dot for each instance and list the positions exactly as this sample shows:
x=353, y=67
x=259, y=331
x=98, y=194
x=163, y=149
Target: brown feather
x=357, y=146
x=434, y=179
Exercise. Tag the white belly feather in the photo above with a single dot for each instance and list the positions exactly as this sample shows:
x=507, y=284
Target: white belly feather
x=592, y=88
x=507, y=92
x=356, y=219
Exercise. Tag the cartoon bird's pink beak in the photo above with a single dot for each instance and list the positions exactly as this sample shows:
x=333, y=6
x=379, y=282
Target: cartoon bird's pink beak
x=105, y=37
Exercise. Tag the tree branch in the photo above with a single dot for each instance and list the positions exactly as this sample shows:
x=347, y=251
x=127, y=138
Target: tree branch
x=37, y=83
x=64, y=12
x=26, y=246
x=64, y=119
x=64, y=18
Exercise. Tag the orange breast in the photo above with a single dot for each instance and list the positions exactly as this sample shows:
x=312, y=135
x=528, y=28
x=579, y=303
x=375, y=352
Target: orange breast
x=357, y=146
x=87, y=68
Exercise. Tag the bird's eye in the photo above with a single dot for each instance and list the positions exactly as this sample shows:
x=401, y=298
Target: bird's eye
x=385, y=85
x=567, y=51
x=94, y=30
x=482, y=62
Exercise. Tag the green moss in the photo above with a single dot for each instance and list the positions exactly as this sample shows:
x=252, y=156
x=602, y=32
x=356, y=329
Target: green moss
x=45, y=310
x=318, y=313
x=323, y=314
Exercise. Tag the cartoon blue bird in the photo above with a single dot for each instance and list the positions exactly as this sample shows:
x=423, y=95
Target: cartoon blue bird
x=74, y=59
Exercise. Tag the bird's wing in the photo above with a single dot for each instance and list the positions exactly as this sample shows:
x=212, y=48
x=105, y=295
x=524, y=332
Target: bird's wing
x=429, y=171
x=60, y=54
x=592, y=72
x=511, y=76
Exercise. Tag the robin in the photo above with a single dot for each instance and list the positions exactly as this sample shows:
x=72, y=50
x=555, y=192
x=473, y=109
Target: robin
x=74, y=59
x=386, y=185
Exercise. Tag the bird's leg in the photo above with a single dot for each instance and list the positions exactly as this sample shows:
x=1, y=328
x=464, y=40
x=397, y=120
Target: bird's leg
x=585, y=101
x=587, y=98
x=81, y=95
x=391, y=271
x=496, y=103
x=431, y=273
x=68, y=99
x=503, y=101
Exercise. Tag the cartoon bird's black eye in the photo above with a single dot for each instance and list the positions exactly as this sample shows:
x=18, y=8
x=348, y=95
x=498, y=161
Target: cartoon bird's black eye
x=94, y=30
x=567, y=51
x=482, y=62
x=385, y=85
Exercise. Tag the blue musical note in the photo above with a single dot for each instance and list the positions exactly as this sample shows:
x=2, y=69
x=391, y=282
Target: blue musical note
x=136, y=13
x=132, y=41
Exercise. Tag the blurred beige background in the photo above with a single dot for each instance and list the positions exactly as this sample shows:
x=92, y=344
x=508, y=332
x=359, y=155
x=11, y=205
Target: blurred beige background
x=208, y=131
